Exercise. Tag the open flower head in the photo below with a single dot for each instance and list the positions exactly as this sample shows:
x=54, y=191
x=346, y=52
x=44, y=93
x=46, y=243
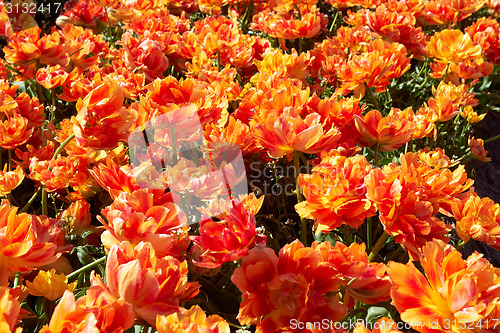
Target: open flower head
x=193, y=320
x=50, y=285
x=453, y=290
x=477, y=218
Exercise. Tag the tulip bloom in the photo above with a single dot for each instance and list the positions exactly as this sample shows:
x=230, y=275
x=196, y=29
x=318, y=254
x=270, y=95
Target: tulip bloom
x=9, y=180
x=14, y=132
x=297, y=285
x=135, y=218
x=54, y=174
x=53, y=76
x=50, y=285
x=91, y=313
x=284, y=133
x=389, y=133
x=364, y=281
x=452, y=46
x=226, y=240
x=477, y=149
x=408, y=198
x=151, y=285
x=452, y=292
x=26, y=242
x=375, y=67
x=10, y=309
x=335, y=193
x=285, y=25
x=477, y=218
x=193, y=320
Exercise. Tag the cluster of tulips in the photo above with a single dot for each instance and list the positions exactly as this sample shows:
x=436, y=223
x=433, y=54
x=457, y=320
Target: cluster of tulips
x=135, y=135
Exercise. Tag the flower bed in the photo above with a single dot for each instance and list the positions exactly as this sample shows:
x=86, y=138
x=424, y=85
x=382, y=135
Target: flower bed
x=241, y=166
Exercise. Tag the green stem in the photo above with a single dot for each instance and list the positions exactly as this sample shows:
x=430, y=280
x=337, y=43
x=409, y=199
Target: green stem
x=347, y=235
x=39, y=90
x=334, y=20
x=460, y=244
x=16, y=280
x=10, y=159
x=174, y=145
x=395, y=254
x=378, y=246
x=376, y=157
x=86, y=267
x=492, y=139
x=372, y=97
x=44, y=201
x=300, y=198
x=30, y=201
x=53, y=96
x=369, y=234
x=446, y=72
x=109, y=25
x=61, y=147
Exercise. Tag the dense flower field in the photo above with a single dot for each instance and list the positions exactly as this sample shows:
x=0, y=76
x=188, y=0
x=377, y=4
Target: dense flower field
x=246, y=166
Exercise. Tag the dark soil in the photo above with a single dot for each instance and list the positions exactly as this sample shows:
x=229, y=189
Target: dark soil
x=487, y=179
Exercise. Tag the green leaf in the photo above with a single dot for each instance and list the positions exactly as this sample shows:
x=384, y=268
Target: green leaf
x=377, y=312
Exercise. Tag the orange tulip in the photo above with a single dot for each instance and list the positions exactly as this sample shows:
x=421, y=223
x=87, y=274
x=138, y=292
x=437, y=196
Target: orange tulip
x=10, y=309
x=150, y=284
x=286, y=132
x=389, y=133
x=116, y=180
x=477, y=150
x=83, y=46
x=236, y=132
x=279, y=24
x=54, y=76
x=14, y=132
x=54, y=174
x=193, y=320
x=27, y=241
x=364, y=281
x=276, y=63
x=96, y=315
x=298, y=285
x=50, y=285
x=144, y=55
x=470, y=115
x=9, y=180
x=134, y=217
x=380, y=63
x=210, y=100
x=85, y=13
x=477, y=218
x=335, y=193
x=77, y=217
x=397, y=27
x=101, y=120
x=452, y=46
x=450, y=11
x=454, y=294
x=448, y=99
x=226, y=240
x=408, y=198
x=485, y=32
